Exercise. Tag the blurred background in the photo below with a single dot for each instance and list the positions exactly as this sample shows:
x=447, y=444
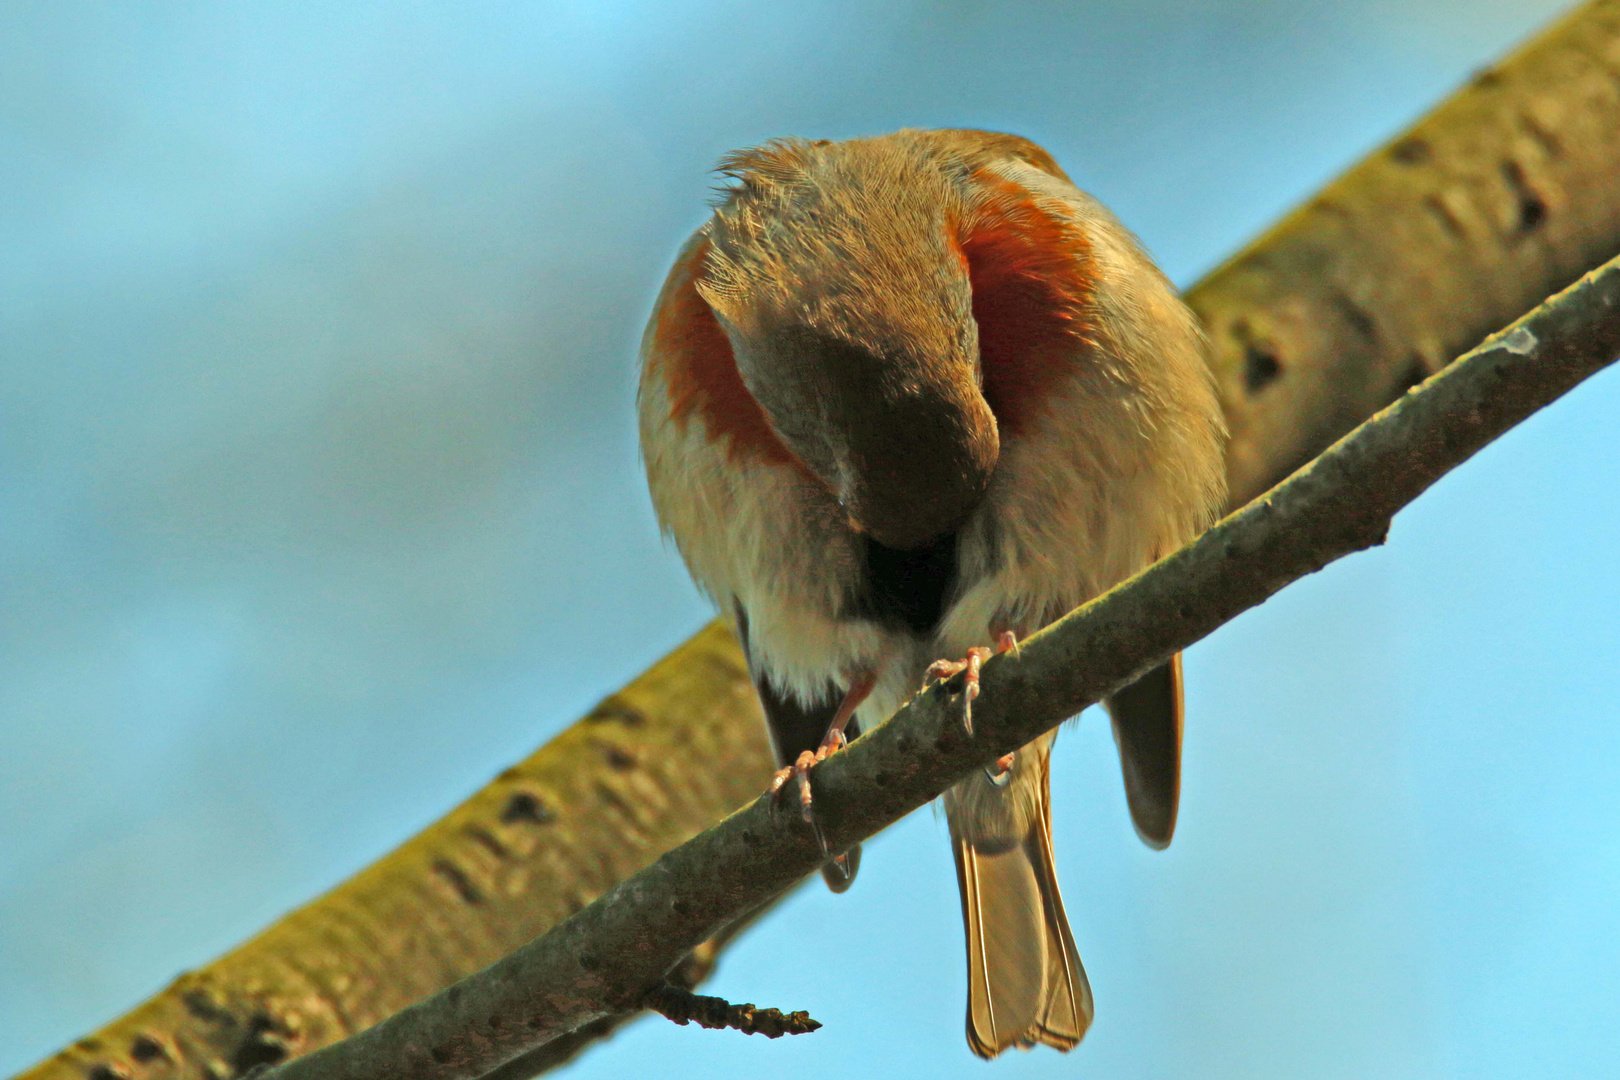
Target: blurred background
x=320, y=504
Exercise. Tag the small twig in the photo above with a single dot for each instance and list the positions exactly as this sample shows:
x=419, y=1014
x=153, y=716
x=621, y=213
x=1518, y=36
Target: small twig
x=683, y=1006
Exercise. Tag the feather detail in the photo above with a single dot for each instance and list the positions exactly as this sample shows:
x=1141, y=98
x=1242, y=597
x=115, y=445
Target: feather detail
x=1032, y=279
x=693, y=355
x=1025, y=981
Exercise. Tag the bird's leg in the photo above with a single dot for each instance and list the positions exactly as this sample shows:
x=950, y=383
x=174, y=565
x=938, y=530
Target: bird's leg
x=831, y=743
x=941, y=670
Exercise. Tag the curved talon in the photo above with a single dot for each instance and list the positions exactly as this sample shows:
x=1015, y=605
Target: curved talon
x=1001, y=772
x=944, y=669
x=834, y=742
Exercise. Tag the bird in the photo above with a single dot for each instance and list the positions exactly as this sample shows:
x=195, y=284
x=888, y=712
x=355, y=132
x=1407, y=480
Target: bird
x=905, y=400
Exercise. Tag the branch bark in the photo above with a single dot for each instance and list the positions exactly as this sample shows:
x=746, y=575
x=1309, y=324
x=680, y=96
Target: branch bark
x=1500, y=196
x=607, y=958
x=546, y=837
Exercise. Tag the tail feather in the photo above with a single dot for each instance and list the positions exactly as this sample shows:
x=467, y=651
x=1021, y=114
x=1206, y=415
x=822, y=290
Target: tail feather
x=1068, y=1010
x=1025, y=981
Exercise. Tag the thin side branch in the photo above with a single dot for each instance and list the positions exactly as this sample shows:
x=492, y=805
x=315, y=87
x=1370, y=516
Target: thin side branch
x=608, y=957
x=684, y=1007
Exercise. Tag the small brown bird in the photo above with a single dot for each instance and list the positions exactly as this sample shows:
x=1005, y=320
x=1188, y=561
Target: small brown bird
x=903, y=398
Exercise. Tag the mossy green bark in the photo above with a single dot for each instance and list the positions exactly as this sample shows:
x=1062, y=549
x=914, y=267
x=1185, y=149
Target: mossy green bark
x=1504, y=194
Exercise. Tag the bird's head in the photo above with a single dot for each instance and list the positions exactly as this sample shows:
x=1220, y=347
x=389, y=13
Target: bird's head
x=836, y=273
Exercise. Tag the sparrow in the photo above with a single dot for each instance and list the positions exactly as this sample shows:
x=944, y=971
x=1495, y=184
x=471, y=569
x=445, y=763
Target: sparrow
x=913, y=397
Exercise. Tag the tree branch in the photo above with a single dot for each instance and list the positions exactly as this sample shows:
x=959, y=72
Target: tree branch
x=608, y=957
x=1407, y=259
x=1501, y=196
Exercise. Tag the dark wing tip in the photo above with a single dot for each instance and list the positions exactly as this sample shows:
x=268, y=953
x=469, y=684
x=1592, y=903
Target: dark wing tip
x=1147, y=718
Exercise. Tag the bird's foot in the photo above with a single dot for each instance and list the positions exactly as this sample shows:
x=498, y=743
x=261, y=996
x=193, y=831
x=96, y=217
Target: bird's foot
x=941, y=670
x=800, y=771
x=835, y=740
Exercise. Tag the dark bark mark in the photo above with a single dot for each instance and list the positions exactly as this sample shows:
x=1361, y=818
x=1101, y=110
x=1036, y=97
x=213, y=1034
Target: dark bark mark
x=1412, y=151
x=1532, y=208
x=526, y=807
x=1260, y=367
x=146, y=1048
x=616, y=711
x=1357, y=317
x=207, y=1006
x=1416, y=371
x=266, y=1043
x=1261, y=364
x=457, y=879
x=618, y=758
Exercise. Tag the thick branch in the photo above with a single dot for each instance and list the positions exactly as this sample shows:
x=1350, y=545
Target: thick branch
x=1409, y=258
x=1501, y=196
x=606, y=958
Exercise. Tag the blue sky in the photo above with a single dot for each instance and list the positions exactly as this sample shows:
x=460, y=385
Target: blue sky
x=319, y=504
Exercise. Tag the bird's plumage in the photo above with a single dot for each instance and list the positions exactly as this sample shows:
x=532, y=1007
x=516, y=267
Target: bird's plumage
x=900, y=395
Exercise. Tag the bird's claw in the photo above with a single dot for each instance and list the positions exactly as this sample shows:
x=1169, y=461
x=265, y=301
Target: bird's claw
x=940, y=670
x=1000, y=773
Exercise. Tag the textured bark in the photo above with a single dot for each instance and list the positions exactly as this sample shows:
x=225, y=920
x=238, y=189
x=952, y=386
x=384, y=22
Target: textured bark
x=547, y=837
x=1503, y=194
x=605, y=959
